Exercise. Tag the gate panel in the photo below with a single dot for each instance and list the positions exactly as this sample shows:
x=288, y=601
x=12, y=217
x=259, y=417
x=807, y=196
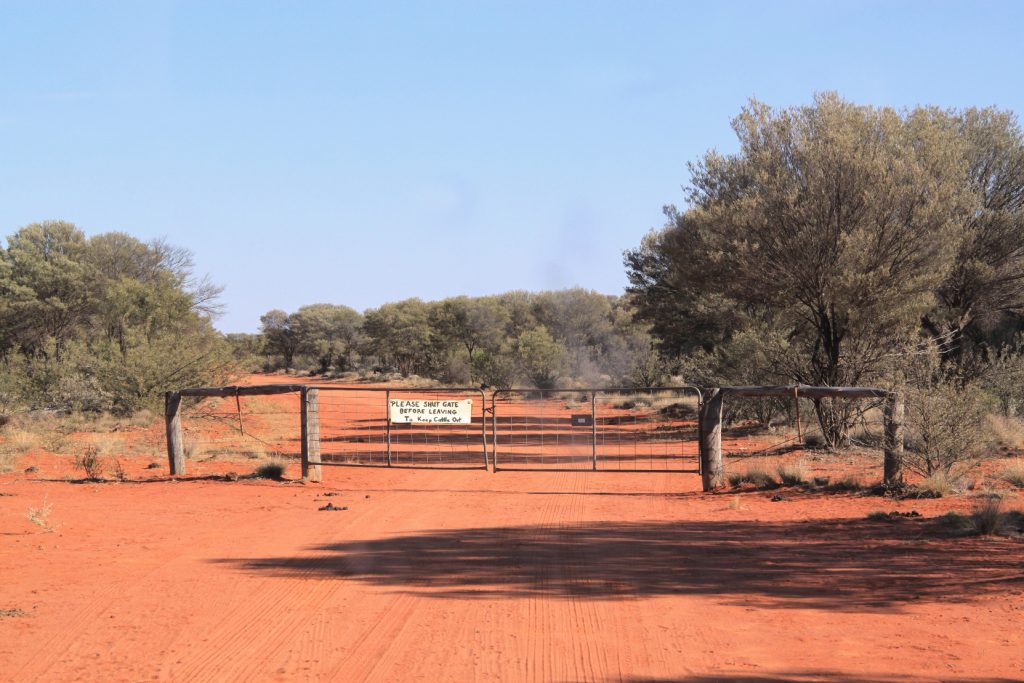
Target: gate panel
x=356, y=427
x=602, y=429
x=539, y=429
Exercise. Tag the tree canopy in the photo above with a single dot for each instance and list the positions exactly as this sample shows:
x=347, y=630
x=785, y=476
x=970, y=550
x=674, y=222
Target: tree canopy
x=104, y=323
x=840, y=233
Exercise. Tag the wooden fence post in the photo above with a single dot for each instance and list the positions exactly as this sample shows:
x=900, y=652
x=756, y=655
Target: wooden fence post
x=311, y=470
x=711, y=472
x=175, y=447
x=893, y=469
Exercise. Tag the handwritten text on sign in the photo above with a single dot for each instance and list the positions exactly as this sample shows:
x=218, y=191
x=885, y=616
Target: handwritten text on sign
x=433, y=412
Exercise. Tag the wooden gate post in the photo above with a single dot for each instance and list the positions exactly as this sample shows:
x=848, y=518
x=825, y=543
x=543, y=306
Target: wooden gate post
x=311, y=470
x=711, y=472
x=893, y=469
x=175, y=448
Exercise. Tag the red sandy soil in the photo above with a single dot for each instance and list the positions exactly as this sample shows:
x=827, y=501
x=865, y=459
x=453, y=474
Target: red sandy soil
x=463, y=575
x=435, y=575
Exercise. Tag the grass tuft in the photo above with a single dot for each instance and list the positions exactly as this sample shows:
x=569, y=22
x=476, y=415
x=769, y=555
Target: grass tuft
x=848, y=484
x=755, y=475
x=988, y=516
x=935, y=485
x=792, y=474
x=1013, y=474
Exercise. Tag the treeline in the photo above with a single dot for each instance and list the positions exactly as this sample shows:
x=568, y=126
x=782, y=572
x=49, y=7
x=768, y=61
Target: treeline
x=104, y=323
x=569, y=337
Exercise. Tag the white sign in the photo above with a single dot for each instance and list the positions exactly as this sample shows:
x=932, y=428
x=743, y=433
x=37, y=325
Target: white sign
x=431, y=412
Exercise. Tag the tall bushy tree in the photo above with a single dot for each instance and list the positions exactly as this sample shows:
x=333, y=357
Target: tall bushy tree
x=398, y=334
x=984, y=292
x=838, y=222
x=327, y=333
x=107, y=322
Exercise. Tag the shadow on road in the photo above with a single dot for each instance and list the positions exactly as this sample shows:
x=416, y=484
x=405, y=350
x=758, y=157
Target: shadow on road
x=846, y=565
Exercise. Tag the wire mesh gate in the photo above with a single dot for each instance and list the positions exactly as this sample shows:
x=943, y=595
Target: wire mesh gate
x=439, y=427
x=635, y=430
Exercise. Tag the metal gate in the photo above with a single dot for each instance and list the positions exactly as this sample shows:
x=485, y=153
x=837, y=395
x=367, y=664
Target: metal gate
x=357, y=427
x=630, y=430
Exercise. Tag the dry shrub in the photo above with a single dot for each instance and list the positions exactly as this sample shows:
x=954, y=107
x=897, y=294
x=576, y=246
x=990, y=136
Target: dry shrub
x=90, y=463
x=118, y=470
x=40, y=516
x=945, y=419
x=1013, y=474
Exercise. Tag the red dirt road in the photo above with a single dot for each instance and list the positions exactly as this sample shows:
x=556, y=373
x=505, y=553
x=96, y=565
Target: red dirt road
x=451, y=575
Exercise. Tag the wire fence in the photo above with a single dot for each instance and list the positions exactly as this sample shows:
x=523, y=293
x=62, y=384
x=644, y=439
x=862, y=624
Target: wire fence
x=600, y=429
x=771, y=434
x=255, y=427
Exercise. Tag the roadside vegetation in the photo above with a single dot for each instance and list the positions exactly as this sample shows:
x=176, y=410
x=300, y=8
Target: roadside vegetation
x=841, y=245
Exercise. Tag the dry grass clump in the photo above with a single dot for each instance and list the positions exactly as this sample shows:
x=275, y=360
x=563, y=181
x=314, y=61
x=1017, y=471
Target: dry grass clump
x=755, y=475
x=15, y=442
x=792, y=474
x=935, y=485
x=272, y=469
x=20, y=441
x=1013, y=474
x=848, y=484
x=1005, y=431
x=987, y=519
x=988, y=516
x=107, y=445
x=143, y=418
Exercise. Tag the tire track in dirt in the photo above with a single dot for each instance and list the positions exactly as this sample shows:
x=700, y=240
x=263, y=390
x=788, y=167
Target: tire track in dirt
x=241, y=644
x=553, y=616
x=55, y=650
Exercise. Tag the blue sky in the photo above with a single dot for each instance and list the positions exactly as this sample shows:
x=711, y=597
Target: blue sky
x=359, y=153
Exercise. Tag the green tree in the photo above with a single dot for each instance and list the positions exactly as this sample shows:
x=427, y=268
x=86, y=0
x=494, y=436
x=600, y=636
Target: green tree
x=398, y=334
x=541, y=357
x=47, y=288
x=276, y=326
x=327, y=333
x=837, y=222
x=105, y=323
x=985, y=289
